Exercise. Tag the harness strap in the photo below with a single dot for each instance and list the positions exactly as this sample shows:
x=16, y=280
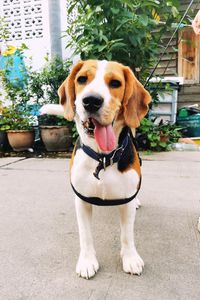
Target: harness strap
x=107, y=202
x=105, y=159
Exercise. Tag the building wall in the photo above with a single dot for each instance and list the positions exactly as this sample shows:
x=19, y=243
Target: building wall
x=28, y=22
x=174, y=62
x=39, y=24
x=169, y=63
x=189, y=62
x=189, y=94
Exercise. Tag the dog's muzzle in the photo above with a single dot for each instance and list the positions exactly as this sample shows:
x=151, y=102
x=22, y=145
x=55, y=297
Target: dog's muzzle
x=92, y=103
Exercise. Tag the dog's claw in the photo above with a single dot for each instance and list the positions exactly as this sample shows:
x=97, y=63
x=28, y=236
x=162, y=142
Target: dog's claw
x=87, y=266
x=132, y=264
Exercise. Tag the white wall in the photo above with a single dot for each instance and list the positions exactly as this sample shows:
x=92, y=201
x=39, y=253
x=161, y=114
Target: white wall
x=28, y=23
x=39, y=24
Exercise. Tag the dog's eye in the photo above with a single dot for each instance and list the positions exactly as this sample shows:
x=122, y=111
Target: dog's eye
x=114, y=83
x=82, y=79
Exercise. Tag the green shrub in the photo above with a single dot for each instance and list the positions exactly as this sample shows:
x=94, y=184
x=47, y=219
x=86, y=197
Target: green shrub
x=13, y=118
x=157, y=137
x=123, y=30
x=44, y=84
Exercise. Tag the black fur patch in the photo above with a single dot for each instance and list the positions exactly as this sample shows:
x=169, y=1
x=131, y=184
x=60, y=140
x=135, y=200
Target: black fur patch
x=127, y=157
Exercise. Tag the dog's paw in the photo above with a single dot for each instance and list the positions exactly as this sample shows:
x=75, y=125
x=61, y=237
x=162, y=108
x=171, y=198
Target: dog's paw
x=52, y=109
x=132, y=263
x=87, y=266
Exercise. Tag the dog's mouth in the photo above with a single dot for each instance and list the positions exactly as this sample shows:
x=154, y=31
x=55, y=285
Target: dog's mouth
x=103, y=134
x=88, y=127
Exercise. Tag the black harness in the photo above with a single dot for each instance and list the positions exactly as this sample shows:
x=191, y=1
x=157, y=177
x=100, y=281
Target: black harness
x=104, y=160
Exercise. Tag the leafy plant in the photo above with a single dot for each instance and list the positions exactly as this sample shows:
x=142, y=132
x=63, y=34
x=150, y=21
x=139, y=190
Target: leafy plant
x=13, y=74
x=44, y=84
x=52, y=120
x=123, y=30
x=157, y=137
x=127, y=31
x=15, y=85
x=15, y=118
x=43, y=87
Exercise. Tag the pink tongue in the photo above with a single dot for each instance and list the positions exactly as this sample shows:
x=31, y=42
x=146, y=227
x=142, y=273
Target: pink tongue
x=104, y=136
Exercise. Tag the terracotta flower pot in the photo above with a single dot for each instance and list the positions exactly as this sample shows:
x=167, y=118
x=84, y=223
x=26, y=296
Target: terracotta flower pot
x=56, y=138
x=21, y=140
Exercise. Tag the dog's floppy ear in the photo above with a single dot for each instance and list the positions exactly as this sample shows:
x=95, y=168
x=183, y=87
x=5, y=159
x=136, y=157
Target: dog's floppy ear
x=136, y=100
x=66, y=92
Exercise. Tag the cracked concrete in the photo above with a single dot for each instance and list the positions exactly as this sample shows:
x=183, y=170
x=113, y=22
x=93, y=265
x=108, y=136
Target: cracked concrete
x=39, y=239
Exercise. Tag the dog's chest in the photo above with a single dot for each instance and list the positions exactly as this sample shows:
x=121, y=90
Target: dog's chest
x=113, y=184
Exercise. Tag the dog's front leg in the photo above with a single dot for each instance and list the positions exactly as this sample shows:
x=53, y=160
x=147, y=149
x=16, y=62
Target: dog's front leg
x=87, y=264
x=132, y=262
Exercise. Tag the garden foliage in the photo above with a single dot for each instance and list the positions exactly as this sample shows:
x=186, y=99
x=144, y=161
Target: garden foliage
x=128, y=31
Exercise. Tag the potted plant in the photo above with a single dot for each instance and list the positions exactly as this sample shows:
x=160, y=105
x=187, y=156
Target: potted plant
x=18, y=124
x=157, y=137
x=55, y=131
x=15, y=118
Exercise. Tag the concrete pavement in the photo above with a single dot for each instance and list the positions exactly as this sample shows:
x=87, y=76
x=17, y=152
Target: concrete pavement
x=39, y=239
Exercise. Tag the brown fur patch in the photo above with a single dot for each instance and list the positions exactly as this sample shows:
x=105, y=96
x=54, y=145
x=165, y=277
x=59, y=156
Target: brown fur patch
x=109, y=112
x=136, y=100
x=66, y=92
x=114, y=71
x=71, y=162
x=89, y=70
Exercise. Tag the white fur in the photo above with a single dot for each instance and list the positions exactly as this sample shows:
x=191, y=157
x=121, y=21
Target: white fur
x=132, y=262
x=52, y=109
x=112, y=185
x=98, y=86
x=87, y=264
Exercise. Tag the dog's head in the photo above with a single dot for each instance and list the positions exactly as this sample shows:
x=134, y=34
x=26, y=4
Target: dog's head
x=101, y=95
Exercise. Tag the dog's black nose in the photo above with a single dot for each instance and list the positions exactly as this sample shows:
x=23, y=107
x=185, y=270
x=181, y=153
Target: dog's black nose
x=92, y=103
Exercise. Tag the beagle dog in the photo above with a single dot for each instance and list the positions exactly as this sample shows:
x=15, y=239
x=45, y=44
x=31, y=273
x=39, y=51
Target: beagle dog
x=106, y=101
